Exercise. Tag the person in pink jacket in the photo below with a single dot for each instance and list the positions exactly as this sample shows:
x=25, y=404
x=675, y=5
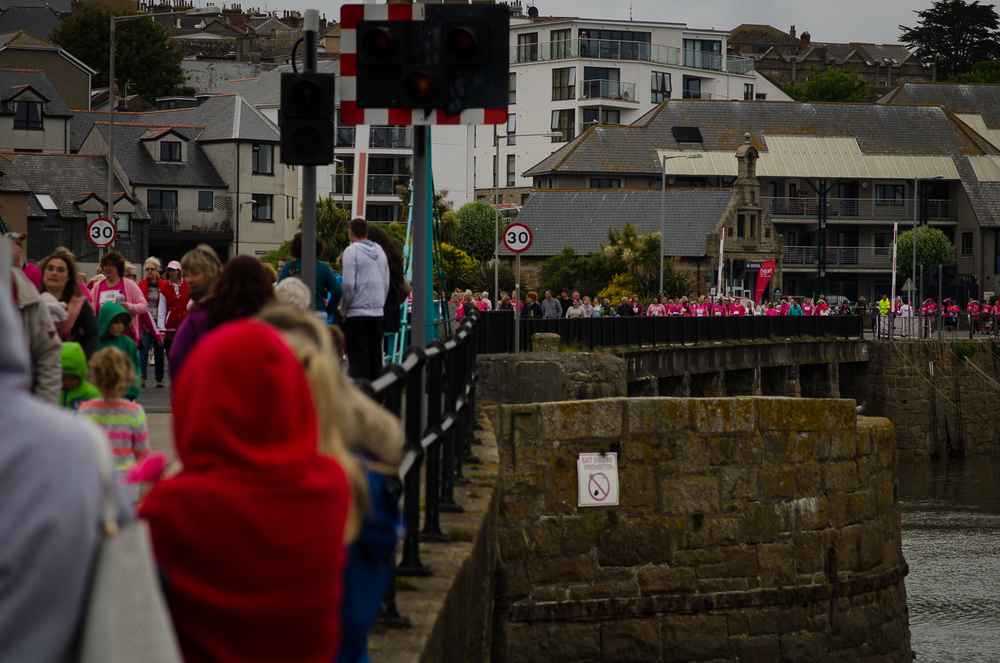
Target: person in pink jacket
x=116, y=288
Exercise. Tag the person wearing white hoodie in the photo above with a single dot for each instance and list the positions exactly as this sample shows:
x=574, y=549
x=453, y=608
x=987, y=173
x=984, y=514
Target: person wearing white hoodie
x=366, y=284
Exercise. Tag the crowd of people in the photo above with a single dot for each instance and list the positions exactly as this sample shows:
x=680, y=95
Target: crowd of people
x=275, y=527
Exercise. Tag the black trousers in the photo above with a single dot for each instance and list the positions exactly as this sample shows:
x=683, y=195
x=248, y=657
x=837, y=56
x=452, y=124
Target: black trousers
x=363, y=338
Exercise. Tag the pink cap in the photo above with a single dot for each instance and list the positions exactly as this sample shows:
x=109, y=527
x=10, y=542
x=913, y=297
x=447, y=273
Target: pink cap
x=174, y=265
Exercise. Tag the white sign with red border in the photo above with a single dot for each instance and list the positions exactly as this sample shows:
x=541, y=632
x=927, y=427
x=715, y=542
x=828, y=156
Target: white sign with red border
x=597, y=479
x=517, y=238
x=101, y=232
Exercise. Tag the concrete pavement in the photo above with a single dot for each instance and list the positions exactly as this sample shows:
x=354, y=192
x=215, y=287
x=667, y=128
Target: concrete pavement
x=156, y=402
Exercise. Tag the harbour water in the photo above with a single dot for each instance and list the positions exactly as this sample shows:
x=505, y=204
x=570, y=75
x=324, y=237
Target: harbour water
x=951, y=540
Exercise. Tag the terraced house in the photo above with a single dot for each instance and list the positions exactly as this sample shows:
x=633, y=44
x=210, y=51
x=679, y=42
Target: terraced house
x=834, y=178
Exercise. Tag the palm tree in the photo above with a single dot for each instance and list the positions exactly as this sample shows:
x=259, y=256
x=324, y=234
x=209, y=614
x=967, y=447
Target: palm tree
x=637, y=253
x=331, y=227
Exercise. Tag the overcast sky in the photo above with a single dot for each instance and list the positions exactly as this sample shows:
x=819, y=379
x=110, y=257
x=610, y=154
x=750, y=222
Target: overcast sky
x=873, y=21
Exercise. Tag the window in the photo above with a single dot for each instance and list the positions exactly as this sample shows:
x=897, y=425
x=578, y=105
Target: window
x=753, y=222
x=966, y=244
x=703, y=54
x=605, y=183
x=170, y=150
x=512, y=88
x=593, y=116
x=527, y=47
x=511, y=170
x=889, y=194
x=162, y=206
x=661, y=87
x=204, y=201
x=741, y=222
x=883, y=244
x=562, y=44
x=262, y=207
x=692, y=89
x=563, y=84
x=379, y=213
x=601, y=83
x=615, y=44
x=564, y=121
x=511, y=129
x=345, y=135
x=748, y=92
x=27, y=115
x=760, y=96
x=263, y=159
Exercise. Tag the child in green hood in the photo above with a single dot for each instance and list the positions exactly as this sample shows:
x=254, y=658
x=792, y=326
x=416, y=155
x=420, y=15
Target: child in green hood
x=75, y=388
x=112, y=321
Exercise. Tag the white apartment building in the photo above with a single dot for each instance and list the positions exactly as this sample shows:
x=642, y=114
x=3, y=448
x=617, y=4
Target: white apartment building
x=567, y=74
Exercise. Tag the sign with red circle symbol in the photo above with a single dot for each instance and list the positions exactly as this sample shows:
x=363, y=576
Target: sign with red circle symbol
x=597, y=476
x=101, y=232
x=517, y=237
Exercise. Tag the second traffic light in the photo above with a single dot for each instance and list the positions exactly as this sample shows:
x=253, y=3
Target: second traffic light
x=306, y=119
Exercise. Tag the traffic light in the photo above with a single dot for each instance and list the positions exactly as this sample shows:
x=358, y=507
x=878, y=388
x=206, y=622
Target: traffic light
x=306, y=119
x=454, y=59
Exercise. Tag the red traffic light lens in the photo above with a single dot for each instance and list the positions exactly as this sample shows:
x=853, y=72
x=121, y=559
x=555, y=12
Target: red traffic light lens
x=378, y=43
x=419, y=86
x=462, y=43
x=306, y=94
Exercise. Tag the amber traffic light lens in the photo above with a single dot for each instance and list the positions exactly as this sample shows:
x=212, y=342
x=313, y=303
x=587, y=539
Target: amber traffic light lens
x=419, y=86
x=462, y=44
x=378, y=43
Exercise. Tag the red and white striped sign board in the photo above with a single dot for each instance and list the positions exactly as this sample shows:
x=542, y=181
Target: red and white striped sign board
x=349, y=111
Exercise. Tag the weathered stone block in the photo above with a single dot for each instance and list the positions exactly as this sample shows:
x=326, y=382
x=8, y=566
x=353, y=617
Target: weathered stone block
x=514, y=541
x=638, y=487
x=778, y=481
x=840, y=477
x=518, y=583
x=557, y=643
x=809, y=552
x=777, y=564
x=542, y=342
x=804, y=647
x=777, y=620
x=580, y=419
x=679, y=580
x=759, y=649
x=657, y=415
x=553, y=571
x=762, y=522
x=727, y=450
x=712, y=585
x=549, y=594
x=738, y=483
x=518, y=509
x=695, y=637
x=690, y=495
x=699, y=556
x=741, y=561
x=630, y=641
x=823, y=415
x=545, y=534
x=637, y=541
x=577, y=535
x=724, y=415
x=616, y=590
x=787, y=446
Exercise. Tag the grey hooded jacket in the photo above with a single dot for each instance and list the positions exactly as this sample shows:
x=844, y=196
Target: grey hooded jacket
x=50, y=513
x=366, y=280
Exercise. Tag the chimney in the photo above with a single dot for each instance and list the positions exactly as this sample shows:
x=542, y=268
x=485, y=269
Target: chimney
x=804, y=40
x=791, y=32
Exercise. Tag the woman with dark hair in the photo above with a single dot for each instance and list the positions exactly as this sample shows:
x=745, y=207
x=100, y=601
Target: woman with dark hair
x=118, y=289
x=59, y=280
x=242, y=289
x=391, y=317
x=328, y=290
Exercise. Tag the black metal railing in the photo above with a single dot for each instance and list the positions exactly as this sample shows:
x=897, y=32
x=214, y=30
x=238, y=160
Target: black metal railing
x=433, y=392
x=497, y=331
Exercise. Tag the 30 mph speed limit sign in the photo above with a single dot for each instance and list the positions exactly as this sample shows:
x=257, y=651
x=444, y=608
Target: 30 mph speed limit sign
x=517, y=238
x=101, y=232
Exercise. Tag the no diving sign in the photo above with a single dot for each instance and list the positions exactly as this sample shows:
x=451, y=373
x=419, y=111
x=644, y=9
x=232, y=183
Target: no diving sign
x=597, y=477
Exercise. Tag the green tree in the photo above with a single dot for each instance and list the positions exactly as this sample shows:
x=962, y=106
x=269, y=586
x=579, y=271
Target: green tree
x=331, y=227
x=933, y=248
x=145, y=59
x=449, y=226
x=958, y=33
x=629, y=251
x=588, y=274
x=460, y=269
x=830, y=85
x=622, y=285
x=983, y=73
x=477, y=230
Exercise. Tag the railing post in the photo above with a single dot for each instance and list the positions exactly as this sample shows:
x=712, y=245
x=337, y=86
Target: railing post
x=448, y=503
x=432, y=487
x=411, y=564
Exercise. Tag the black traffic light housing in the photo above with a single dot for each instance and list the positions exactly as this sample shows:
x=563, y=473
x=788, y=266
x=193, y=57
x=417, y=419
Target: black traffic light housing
x=306, y=119
x=454, y=59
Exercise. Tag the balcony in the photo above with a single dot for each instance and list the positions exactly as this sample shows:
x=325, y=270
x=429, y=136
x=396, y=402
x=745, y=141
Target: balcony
x=601, y=49
x=839, y=257
x=695, y=94
x=343, y=183
x=390, y=137
x=345, y=136
x=385, y=185
x=743, y=66
x=702, y=60
x=186, y=221
x=605, y=89
x=858, y=208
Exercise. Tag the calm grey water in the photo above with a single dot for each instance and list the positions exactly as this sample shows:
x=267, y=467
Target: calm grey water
x=951, y=540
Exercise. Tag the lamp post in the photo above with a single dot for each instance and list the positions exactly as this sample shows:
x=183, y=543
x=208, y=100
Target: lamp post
x=496, y=205
x=208, y=9
x=663, y=204
x=913, y=266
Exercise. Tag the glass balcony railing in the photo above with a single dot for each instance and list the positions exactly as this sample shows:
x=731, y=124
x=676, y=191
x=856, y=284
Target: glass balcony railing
x=739, y=66
x=177, y=220
x=386, y=185
x=604, y=89
x=345, y=136
x=861, y=257
x=702, y=60
x=695, y=94
x=343, y=183
x=602, y=49
x=868, y=208
x=390, y=137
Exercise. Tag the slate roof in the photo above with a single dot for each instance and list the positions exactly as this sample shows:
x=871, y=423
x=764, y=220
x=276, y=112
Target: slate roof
x=23, y=39
x=68, y=178
x=61, y=6
x=581, y=219
x=958, y=98
x=142, y=169
x=39, y=21
x=13, y=81
x=891, y=129
x=266, y=90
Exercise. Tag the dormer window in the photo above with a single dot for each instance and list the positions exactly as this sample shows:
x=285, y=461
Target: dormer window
x=170, y=150
x=27, y=115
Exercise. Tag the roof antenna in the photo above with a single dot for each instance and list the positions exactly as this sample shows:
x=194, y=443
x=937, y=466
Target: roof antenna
x=630, y=12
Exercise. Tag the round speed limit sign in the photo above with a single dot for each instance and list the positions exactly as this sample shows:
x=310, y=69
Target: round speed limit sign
x=101, y=232
x=517, y=237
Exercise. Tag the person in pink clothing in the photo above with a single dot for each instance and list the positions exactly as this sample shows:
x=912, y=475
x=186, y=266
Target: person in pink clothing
x=807, y=307
x=116, y=288
x=719, y=308
x=655, y=308
x=771, y=310
x=783, y=309
x=734, y=308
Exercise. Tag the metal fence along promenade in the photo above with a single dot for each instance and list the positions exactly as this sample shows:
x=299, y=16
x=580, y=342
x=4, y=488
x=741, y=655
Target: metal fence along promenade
x=497, y=332
x=433, y=392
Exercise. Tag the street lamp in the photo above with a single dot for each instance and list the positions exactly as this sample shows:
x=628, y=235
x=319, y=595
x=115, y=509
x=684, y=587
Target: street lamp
x=663, y=205
x=496, y=205
x=913, y=266
x=206, y=10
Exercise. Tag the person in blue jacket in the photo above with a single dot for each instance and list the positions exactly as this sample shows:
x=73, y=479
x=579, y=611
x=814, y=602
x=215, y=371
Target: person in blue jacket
x=328, y=290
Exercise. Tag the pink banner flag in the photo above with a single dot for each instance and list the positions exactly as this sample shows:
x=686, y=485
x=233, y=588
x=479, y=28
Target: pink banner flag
x=763, y=278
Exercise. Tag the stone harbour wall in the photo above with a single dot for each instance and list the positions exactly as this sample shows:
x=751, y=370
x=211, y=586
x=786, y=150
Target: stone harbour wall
x=749, y=529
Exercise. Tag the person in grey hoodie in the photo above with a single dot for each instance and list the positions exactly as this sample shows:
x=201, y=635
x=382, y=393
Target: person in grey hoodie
x=366, y=284
x=50, y=523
